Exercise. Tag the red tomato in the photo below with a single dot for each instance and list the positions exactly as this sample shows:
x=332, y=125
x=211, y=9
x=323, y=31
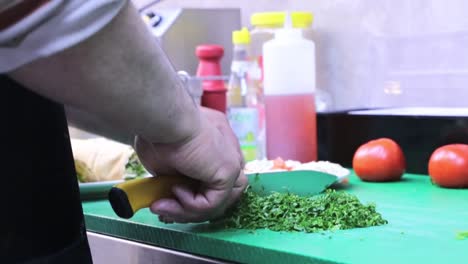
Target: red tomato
x=448, y=166
x=379, y=160
x=279, y=163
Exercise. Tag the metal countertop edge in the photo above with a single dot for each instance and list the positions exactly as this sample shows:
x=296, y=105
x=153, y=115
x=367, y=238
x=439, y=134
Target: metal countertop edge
x=212, y=248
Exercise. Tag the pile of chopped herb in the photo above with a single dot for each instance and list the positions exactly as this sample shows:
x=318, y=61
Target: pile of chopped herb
x=134, y=167
x=462, y=235
x=288, y=212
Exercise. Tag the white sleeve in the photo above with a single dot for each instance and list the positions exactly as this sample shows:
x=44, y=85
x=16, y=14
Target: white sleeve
x=72, y=22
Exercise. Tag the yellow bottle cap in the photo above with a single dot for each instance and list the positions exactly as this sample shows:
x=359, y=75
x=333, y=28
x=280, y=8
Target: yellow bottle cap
x=241, y=36
x=300, y=19
x=268, y=19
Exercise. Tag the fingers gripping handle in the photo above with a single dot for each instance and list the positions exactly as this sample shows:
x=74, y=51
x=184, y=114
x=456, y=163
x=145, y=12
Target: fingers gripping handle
x=130, y=196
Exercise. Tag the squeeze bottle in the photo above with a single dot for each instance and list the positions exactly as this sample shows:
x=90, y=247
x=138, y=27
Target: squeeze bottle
x=264, y=25
x=289, y=87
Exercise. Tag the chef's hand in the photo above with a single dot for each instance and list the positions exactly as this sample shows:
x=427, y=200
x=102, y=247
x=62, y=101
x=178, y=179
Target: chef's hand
x=211, y=156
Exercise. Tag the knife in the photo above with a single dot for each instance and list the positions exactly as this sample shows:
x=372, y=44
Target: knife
x=130, y=196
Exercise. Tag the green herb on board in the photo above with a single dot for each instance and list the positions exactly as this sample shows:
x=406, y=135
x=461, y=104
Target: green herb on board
x=256, y=178
x=462, y=235
x=135, y=167
x=289, y=212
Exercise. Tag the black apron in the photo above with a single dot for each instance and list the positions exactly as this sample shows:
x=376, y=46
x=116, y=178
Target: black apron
x=41, y=214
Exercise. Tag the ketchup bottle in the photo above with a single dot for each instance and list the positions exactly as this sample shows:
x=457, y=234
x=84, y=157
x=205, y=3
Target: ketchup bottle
x=214, y=90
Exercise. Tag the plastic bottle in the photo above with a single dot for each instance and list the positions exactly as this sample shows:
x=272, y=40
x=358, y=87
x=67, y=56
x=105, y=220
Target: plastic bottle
x=289, y=82
x=244, y=106
x=214, y=90
x=264, y=26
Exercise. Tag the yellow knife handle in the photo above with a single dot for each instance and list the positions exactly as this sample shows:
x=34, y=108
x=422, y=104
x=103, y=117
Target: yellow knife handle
x=130, y=196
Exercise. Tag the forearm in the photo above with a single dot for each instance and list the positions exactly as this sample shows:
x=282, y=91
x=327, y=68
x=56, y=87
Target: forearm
x=93, y=124
x=122, y=76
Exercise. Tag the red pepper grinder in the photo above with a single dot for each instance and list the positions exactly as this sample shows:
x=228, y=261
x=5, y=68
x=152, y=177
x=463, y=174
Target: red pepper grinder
x=214, y=89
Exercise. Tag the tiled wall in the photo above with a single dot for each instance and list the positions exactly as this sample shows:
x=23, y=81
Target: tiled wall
x=379, y=53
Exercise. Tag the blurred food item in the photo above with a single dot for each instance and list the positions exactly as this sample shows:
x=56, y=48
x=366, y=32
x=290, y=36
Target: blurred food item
x=379, y=160
x=134, y=168
x=83, y=172
x=324, y=166
x=278, y=164
x=99, y=159
x=448, y=166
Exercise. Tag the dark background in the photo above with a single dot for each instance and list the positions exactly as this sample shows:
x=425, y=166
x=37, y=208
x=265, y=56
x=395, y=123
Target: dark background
x=340, y=134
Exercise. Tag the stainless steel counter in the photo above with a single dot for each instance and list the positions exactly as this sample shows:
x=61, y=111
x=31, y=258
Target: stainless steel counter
x=107, y=249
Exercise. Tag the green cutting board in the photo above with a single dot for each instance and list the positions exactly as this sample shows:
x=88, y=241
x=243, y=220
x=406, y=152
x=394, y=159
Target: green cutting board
x=423, y=222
